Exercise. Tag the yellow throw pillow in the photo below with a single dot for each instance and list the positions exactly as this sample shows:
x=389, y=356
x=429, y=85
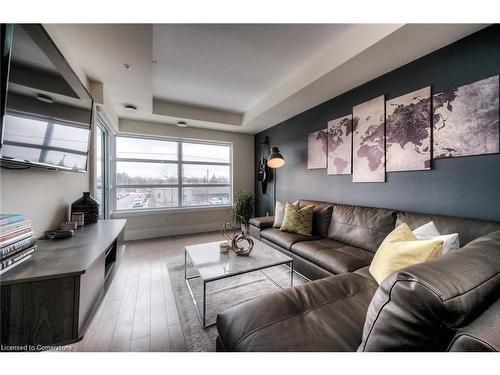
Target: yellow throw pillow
x=298, y=220
x=401, y=249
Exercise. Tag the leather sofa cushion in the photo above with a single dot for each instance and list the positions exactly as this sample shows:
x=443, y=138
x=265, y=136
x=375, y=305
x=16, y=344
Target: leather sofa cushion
x=467, y=229
x=365, y=272
x=262, y=222
x=334, y=256
x=323, y=315
x=284, y=239
x=430, y=301
x=321, y=215
x=363, y=227
x=482, y=334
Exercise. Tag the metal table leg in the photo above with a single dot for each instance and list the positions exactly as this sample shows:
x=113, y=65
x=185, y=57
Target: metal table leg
x=201, y=315
x=204, y=303
x=185, y=264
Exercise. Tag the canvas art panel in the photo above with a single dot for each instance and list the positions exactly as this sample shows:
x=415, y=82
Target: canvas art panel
x=340, y=146
x=368, y=141
x=317, y=149
x=466, y=120
x=408, y=131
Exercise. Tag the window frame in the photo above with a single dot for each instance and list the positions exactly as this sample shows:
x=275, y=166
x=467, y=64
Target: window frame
x=101, y=122
x=180, y=185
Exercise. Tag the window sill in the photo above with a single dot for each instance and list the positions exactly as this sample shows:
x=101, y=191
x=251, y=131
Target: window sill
x=165, y=211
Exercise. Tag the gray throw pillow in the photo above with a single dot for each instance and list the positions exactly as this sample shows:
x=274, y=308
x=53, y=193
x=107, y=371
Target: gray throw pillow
x=279, y=213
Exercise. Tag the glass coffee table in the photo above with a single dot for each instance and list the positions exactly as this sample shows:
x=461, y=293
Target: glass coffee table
x=212, y=265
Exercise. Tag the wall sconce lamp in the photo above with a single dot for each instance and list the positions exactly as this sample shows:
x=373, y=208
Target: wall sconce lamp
x=275, y=161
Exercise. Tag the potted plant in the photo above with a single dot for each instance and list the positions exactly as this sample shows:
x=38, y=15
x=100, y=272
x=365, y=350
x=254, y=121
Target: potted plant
x=244, y=205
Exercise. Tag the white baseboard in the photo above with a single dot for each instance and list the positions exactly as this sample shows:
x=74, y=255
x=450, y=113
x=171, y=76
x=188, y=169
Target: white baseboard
x=142, y=234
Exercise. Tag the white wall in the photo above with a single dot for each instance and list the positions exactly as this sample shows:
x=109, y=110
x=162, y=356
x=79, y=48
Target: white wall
x=41, y=195
x=184, y=221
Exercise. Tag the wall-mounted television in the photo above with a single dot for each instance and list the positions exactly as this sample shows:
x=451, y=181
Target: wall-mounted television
x=46, y=110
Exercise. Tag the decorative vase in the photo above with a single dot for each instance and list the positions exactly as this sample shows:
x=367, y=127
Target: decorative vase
x=89, y=206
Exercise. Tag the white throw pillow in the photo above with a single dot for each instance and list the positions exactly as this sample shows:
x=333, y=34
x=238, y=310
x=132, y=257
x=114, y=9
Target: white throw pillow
x=279, y=213
x=427, y=230
x=430, y=232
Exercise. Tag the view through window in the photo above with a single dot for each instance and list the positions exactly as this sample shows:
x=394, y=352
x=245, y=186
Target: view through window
x=157, y=173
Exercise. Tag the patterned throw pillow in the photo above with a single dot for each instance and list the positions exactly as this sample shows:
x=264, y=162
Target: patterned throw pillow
x=298, y=220
x=279, y=213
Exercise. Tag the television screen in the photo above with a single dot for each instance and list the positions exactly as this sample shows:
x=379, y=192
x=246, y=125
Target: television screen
x=48, y=111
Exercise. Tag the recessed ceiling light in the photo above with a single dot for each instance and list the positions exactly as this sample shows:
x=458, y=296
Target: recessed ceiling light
x=127, y=66
x=45, y=98
x=182, y=124
x=130, y=107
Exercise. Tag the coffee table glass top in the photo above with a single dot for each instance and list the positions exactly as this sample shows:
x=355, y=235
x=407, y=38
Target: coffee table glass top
x=211, y=264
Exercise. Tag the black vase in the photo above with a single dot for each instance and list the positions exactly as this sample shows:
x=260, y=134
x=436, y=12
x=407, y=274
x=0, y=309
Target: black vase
x=88, y=206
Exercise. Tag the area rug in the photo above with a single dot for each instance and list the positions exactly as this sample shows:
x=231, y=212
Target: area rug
x=221, y=296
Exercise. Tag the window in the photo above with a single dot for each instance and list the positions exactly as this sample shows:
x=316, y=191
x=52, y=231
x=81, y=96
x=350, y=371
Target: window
x=100, y=171
x=102, y=162
x=163, y=173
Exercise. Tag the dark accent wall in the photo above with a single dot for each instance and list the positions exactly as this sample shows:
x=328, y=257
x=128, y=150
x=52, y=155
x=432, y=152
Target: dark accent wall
x=467, y=186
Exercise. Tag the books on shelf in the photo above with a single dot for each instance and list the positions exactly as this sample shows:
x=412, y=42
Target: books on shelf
x=16, y=247
x=10, y=218
x=17, y=241
x=14, y=260
x=12, y=227
x=10, y=238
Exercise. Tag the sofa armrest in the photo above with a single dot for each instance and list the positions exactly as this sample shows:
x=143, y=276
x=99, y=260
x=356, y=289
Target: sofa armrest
x=432, y=300
x=262, y=222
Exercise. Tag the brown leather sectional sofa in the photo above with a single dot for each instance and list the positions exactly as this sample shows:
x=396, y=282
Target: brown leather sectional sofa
x=449, y=303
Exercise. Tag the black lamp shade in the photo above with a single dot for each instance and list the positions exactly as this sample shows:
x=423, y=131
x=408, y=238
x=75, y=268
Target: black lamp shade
x=275, y=159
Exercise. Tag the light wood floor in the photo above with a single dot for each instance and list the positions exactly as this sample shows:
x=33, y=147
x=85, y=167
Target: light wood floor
x=138, y=312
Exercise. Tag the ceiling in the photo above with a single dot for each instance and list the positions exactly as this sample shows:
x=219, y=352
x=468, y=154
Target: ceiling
x=240, y=77
x=230, y=67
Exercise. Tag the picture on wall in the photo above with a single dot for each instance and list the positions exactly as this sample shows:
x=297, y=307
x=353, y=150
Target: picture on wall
x=340, y=146
x=466, y=120
x=368, y=141
x=408, y=131
x=317, y=145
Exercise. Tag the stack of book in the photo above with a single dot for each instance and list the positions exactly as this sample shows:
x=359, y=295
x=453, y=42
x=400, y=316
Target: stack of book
x=17, y=243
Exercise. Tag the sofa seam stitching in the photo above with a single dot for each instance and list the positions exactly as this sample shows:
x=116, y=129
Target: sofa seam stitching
x=473, y=288
x=348, y=252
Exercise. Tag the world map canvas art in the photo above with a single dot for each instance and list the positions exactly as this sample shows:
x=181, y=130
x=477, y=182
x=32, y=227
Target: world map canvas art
x=408, y=131
x=340, y=146
x=466, y=120
x=317, y=145
x=368, y=141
